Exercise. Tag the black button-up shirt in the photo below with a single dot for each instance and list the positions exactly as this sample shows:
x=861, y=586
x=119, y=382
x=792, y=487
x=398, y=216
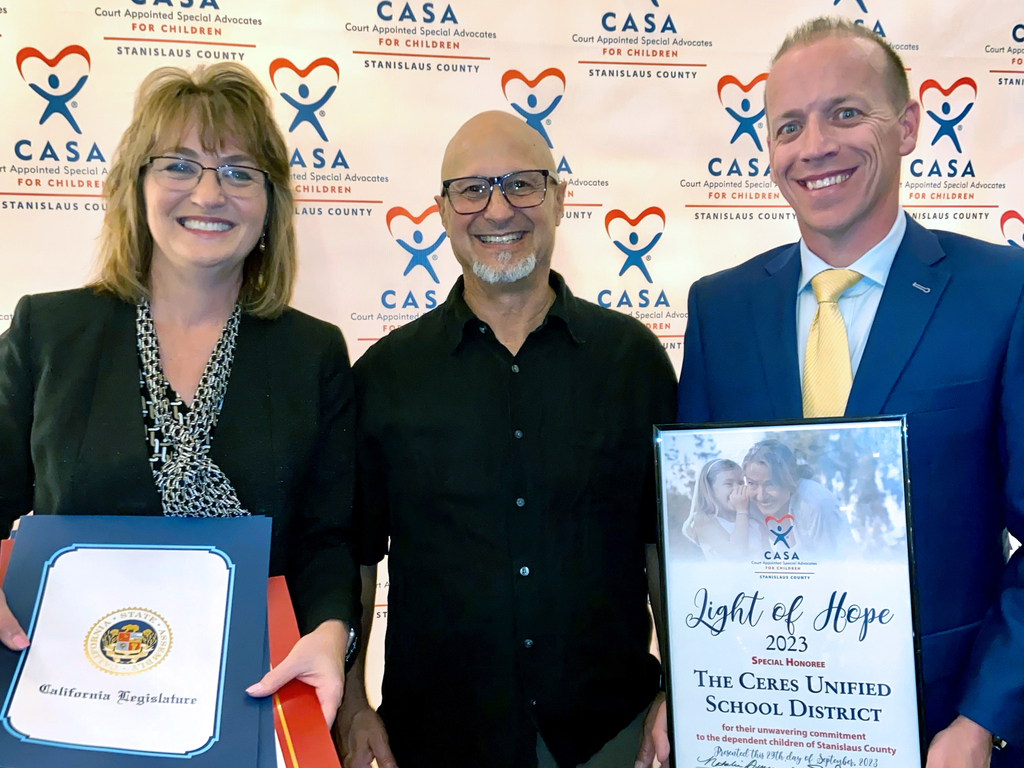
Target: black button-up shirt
x=518, y=493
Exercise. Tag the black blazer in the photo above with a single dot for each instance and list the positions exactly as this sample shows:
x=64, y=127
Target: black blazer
x=73, y=440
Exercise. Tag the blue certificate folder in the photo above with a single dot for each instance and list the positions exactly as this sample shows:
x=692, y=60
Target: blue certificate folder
x=244, y=545
x=267, y=750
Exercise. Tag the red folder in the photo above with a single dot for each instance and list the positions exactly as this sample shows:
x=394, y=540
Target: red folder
x=301, y=731
x=5, y=555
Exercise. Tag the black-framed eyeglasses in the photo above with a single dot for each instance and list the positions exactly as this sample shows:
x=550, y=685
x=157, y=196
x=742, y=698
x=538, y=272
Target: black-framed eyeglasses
x=181, y=175
x=522, y=189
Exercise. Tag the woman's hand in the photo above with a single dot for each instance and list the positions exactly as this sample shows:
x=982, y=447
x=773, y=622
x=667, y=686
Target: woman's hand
x=11, y=633
x=318, y=659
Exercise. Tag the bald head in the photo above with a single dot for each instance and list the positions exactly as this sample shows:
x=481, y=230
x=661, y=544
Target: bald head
x=493, y=144
x=505, y=243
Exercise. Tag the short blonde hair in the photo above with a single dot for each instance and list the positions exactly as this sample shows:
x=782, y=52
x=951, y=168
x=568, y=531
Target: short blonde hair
x=225, y=102
x=896, y=83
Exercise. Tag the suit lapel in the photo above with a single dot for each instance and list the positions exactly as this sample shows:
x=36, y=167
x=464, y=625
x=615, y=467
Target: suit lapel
x=113, y=469
x=912, y=291
x=242, y=442
x=773, y=306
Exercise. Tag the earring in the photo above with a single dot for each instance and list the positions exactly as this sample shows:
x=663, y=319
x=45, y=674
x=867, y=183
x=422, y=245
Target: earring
x=263, y=242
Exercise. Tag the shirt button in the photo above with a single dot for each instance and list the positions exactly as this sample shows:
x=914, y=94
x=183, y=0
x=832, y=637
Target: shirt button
x=483, y=329
x=528, y=643
x=515, y=368
x=533, y=702
x=519, y=434
x=520, y=502
x=524, y=571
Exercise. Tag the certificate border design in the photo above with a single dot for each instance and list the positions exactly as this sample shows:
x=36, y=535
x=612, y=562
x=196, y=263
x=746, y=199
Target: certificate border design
x=866, y=421
x=47, y=566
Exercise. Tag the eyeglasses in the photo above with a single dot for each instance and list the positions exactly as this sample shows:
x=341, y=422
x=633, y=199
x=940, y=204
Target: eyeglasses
x=522, y=189
x=181, y=175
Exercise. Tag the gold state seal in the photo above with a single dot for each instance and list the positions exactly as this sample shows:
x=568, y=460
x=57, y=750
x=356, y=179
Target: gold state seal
x=128, y=641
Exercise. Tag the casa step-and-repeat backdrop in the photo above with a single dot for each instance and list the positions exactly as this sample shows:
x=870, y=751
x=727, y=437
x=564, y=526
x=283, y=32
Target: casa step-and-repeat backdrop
x=653, y=110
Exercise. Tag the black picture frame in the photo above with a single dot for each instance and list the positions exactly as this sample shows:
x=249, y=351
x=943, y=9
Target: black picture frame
x=671, y=592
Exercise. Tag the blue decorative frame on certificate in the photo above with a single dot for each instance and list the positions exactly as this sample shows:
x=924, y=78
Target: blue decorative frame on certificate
x=787, y=574
x=238, y=549
x=47, y=567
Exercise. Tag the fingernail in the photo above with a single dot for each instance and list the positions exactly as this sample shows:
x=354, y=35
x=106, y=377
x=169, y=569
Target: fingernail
x=253, y=690
x=20, y=642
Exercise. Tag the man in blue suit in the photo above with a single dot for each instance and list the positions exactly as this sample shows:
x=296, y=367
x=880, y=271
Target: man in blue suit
x=933, y=329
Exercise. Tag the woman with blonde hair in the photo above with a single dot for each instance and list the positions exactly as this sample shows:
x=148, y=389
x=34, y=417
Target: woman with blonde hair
x=180, y=382
x=781, y=488
x=719, y=521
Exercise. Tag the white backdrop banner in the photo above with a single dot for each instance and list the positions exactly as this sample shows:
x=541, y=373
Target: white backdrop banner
x=653, y=109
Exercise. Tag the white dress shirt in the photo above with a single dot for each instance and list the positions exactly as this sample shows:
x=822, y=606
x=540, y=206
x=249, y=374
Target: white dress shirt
x=857, y=304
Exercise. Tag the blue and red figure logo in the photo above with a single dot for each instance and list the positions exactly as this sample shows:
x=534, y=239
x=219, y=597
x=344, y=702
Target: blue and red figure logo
x=780, y=528
x=948, y=125
x=636, y=253
x=1012, y=225
x=307, y=106
x=542, y=95
x=57, y=102
x=745, y=115
x=420, y=255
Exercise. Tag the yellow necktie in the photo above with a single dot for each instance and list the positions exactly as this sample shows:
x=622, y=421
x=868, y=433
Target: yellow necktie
x=827, y=373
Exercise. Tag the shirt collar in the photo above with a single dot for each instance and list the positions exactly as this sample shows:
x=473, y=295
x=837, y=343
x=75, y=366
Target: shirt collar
x=874, y=265
x=459, y=318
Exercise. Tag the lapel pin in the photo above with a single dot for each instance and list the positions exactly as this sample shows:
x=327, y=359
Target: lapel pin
x=922, y=288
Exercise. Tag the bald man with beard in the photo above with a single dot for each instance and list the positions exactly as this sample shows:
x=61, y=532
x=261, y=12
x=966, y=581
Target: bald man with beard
x=505, y=467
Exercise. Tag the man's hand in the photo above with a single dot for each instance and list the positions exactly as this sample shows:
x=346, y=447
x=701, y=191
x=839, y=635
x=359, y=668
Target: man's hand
x=11, y=633
x=964, y=744
x=360, y=736
x=318, y=659
x=655, y=738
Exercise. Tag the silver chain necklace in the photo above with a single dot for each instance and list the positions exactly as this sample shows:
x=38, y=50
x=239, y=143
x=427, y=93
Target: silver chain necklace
x=190, y=484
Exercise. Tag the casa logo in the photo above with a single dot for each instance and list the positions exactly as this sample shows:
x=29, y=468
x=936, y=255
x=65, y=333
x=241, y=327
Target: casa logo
x=426, y=13
x=1011, y=223
x=128, y=641
x=947, y=108
x=744, y=103
x=859, y=10
x=534, y=99
x=651, y=22
x=635, y=238
x=307, y=91
x=781, y=546
x=420, y=237
x=57, y=81
x=947, y=123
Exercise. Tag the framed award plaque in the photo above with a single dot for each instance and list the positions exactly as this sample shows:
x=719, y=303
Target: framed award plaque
x=788, y=572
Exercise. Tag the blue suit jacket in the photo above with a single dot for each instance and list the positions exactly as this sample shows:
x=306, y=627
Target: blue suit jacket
x=946, y=348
